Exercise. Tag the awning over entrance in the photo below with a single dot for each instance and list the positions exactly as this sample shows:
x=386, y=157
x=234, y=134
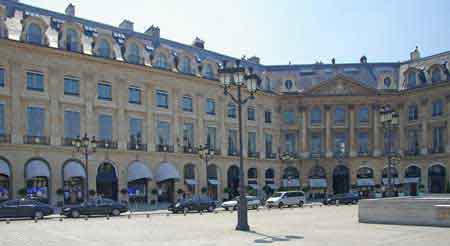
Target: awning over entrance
x=213, y=182
x=4, y=168
x=291, y=182
x=73, y=169
x=37, y=168
x=395, y=181
x=412, y=180
x=191, y=181
x=167, y=171
x=138, y=170
x=365, y=182
x=318, y=183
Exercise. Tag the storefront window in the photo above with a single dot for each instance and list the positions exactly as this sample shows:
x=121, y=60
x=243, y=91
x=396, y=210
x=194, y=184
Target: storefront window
x=137, y=191
x=4, y=188
x=74, y=190
x=37, y=187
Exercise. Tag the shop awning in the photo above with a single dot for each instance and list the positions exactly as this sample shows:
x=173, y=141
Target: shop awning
x=395, y=181
x=213, y=182
x=37, y=168
x=318, y=183
x=73, y=169
x=412, y=180
x=365, y=182
x=291, y=182
x=4, y=168
x=167, y=171
x=138, y=170
x=191, y=181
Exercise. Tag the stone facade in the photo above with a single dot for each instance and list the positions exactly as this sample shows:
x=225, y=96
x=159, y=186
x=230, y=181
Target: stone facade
x=149, y=63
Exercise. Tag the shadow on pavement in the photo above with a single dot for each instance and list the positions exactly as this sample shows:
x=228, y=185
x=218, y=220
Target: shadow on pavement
x=272, y=239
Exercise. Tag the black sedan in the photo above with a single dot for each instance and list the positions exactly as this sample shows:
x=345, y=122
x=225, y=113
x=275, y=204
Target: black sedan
x=348, y=198
x=193, y=204
x=99, y=206
x=24, y=208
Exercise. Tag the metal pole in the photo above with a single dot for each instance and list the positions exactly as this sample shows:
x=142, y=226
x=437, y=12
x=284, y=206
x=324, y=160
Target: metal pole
x=86, y=189
x=242, y=212
x=389, y=161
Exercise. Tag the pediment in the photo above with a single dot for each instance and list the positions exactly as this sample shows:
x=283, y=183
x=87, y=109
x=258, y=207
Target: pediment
x=340, y=86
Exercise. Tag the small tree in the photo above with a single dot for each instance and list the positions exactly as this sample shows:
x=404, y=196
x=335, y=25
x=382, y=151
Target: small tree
x=306, y=189
x=227, y=190
x=204, y=190
x=22, y=192
x=124, y=193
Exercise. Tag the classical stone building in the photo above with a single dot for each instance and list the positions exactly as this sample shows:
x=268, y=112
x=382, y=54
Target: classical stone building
x=151, y=102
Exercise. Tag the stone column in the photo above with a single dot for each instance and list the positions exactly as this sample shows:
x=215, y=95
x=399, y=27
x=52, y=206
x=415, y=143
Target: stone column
x=177, y=125
x=376, y=130
x=260, y=147
x=424, y=115
x=122, y=126
x=401, y=129
x=221, y=115
x=352, y=137
x=90, y=92
x=328, y=137
x=304, y=133
x=55, y=124
x=448, y=124
x=200, y=129
x=17, y=113
x=151, y=119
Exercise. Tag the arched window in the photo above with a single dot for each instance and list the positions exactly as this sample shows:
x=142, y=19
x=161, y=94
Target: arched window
x=316, y=115
x=72, y=43
x=133, y=54
x=413, y=112
x=252, y=173
x=435, y=75
x=34, y=34
x=208, y=72
x=161, y=61
x=270, y=174
x=185, y=65
x=438, y=108
x=288, y=84
x=339, y=115
x=104, y=50
x=231, y=110
x=291, y=172
x=411, y=79
x=387, y=83
x=364, y=173
x=189, y=177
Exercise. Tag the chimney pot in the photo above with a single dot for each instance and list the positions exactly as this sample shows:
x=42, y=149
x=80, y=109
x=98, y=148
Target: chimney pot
x=70, y=10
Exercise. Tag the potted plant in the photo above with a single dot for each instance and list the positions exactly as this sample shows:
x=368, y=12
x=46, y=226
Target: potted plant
x=92, y=193
x=124, y=193
x=22, y=192
x=227, y=190
x=306, y=189
x=421, y=189
x=60, y=194
x=204, y=190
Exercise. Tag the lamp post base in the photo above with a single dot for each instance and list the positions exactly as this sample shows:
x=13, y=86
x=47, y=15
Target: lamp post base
x=243, y=227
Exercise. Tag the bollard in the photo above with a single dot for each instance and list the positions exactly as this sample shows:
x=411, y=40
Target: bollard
x=167, y=215
x=86, y=217
x=8, y=221
x=129, y=216
x=201, y=212
x=107, y=217
x=35, y=220
x=184, y=212
x=60, y=219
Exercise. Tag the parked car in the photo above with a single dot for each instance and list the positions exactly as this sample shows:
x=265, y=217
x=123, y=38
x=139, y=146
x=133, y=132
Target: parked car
x=286, y=198
x=24, y=208
x=198, y=203
x=347, y=198
x=252, y=202
x=98, y=206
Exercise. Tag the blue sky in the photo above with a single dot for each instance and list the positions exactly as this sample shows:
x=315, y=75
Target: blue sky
x=279, y=31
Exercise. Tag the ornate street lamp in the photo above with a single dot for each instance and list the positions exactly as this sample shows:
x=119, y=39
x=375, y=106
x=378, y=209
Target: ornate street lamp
x=206, y=154
x=85, y=146
x=237, y=77
x=389, y=121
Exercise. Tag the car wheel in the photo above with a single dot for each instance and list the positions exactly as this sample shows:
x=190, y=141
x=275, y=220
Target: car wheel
x=227, y=208
x=75, y=214
x=210, y=209
x=270, y=206
x=115, y=212
x=300, y=204
x=355, y=202
x=235, y=207
x=38, y=215
x=280, y=205
x=255, y=207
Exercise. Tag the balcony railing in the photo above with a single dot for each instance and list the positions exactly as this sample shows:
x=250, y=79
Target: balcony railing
x=412, y=152
x=289, y=156
x=251, y=154
x=232, y=152
x=437, y=150
x=316, y=155
x=164, y=148
x=5, y=138
x=190, y=150
x=363, y=153
x=137, y=146
x=42, y=140
x=107, y=144
x=271, y=156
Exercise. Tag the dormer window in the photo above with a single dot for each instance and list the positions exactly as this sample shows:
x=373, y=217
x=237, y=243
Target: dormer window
x=208, y=72
x=161, y=61
x=185, y=65
x=72, y=43
x=104, y=50
x=411, y=79
x=387, y=83
x=34, y=34
x=435, y=75
x=288, y=84
x=133, y=54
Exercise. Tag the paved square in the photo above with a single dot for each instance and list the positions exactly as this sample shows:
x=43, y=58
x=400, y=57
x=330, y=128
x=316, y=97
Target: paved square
x=308, y=226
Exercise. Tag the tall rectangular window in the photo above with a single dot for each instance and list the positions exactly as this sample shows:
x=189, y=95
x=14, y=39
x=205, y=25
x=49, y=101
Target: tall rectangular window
x=104, y=91
x=36, y=121
x=363, y=115
x=251, y=113
x=188, y=134
x=316, y=143
x=135, y=130
x=339, y=116
x=2, y=77
x=162, y=99
x=413, y=141
x=363, y=143
x=289, y=117
x=71, y=86
x=232, y=142
x=71, y=124
x=2, y=119
x=210, y=106
x=268, y=144
x=268, y=116
x=438, y=139
x=211, y=138
x=340, y=143
x=252, y=142
x=163, y=133
x=134, y=95
x=231, y=110
x=186, y=104
x=105, y=123
x=35, y=81
x=290, y=143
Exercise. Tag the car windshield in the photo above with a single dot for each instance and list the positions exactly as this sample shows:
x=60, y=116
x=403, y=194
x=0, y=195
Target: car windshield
x=277, y=194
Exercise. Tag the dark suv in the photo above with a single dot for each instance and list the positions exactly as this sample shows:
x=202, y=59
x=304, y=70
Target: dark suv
x=347, y=198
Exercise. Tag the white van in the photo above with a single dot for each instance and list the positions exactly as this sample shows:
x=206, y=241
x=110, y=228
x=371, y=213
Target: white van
x=286, y=198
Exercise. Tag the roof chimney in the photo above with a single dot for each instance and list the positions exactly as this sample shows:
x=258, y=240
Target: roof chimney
x=198, y=43
x=254, y=59
x=70, y=10
x=333, y=61
x=415, y=54
x=126, y=24
x=363, y=59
